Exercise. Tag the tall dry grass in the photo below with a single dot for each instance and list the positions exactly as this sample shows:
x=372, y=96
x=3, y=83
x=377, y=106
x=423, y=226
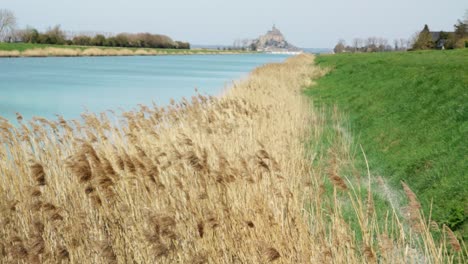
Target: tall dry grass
x=74, y=52
x=206, y=180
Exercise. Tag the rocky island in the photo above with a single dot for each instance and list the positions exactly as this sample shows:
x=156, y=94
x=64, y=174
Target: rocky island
x=274, y=42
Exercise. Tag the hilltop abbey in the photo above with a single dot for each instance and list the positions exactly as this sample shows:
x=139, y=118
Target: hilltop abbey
x=274, y=41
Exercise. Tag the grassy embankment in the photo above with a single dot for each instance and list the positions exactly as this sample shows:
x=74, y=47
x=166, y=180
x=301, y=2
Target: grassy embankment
x=44, y=50
x=210, y=180
x=409, y=112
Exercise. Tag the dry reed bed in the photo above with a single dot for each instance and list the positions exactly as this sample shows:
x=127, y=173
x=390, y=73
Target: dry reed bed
x=210, y=180
x=70, y=52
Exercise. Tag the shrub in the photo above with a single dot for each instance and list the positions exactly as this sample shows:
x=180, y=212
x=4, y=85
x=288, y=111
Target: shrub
x=110, y=42
x=121, y=40
x=462, y=43
x=98, y=40
x=55, y=36
x=29, y=35
x=82, y=40
x=182, y=45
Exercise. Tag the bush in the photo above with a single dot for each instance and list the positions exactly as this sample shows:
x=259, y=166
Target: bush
x=99, y=40
x=29, y=35
x=82, y=40
x=451, y=42
x=462, y=43
x=43, y=39
x=110, y=42
x=182, y=45
x=121, y=40
x=55, y=36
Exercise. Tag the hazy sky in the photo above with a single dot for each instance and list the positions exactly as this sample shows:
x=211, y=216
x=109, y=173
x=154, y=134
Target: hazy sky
x=305, y=23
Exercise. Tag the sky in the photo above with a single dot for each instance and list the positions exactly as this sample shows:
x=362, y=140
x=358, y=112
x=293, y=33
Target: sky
x=305, y=23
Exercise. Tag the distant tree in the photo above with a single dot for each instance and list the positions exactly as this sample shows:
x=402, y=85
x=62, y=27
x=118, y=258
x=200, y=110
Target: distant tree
x=7, y=23
x=405, y=43
x=111, y=42
x=356, y=44
x=461, y=33
x=253, y=47
x=396, y=43
x=182, y=45
x=82, y=40
x=53, y=36
x=340, y=46
x=371, y=44
x=424, y=40
x=29, y=35
x=140, y=40
x=382, y=44
x=461, y=29
x=121, y=40
x=360, y=43
x=451, y=41
x=162, y=41
x=461, y=43
x=465, y=18
x=98, y=40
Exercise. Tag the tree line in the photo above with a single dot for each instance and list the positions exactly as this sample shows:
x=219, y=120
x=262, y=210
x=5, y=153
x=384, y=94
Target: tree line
x=372, y=44
x=425, y=39
x=56, y=36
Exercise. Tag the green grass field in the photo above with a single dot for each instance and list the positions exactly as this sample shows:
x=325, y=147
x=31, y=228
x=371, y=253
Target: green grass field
x=409, y=112
x=27, y=46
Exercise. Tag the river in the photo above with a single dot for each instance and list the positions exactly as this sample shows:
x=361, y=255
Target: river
x=69, y=86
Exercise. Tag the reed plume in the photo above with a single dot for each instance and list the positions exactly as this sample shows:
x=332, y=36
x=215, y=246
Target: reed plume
x=38, y=174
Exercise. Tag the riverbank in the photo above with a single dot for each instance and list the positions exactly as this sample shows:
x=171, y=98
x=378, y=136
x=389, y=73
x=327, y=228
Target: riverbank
x=14, y=50
x=206, y=180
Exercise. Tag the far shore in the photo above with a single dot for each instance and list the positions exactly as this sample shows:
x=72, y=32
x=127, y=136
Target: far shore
x=14, y=50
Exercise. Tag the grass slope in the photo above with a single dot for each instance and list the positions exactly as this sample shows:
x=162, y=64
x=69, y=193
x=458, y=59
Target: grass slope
x=408, y=110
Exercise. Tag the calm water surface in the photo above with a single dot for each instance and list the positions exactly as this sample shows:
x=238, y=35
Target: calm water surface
x=69, y=86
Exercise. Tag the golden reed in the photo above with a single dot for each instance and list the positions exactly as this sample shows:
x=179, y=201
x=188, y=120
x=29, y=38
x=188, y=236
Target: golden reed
x=94, y=51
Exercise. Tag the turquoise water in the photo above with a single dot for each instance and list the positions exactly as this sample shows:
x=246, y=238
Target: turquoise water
x=69, y=86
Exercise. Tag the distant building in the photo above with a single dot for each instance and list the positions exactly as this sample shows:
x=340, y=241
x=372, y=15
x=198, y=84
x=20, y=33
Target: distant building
x=440, y=38
x=274, y=42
